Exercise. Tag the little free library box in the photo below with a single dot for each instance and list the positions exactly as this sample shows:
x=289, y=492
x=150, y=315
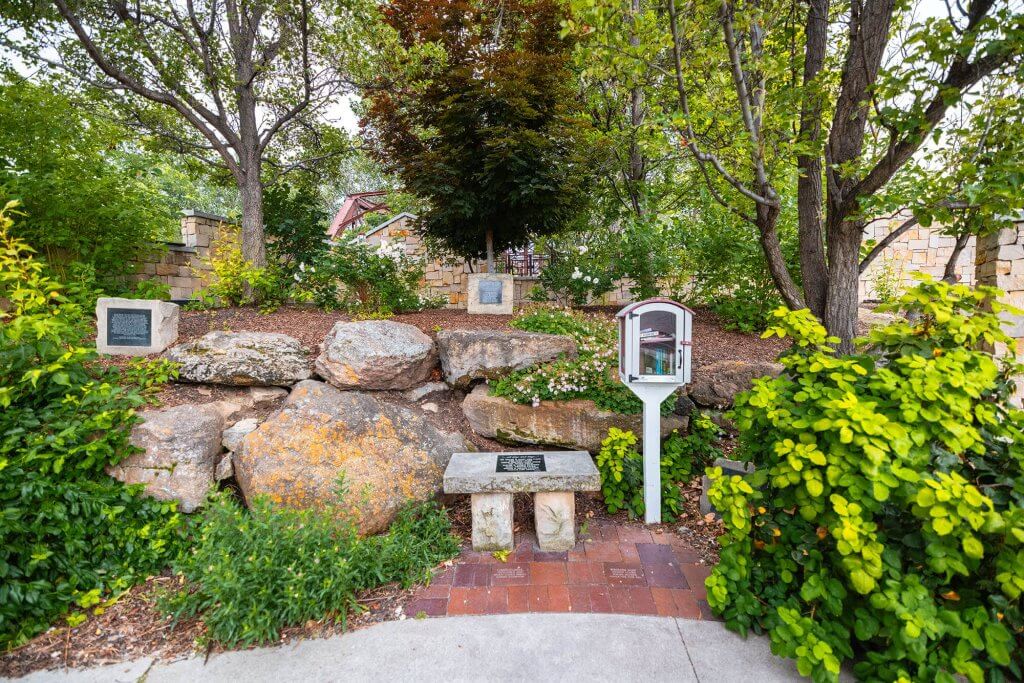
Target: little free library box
x=552, y=476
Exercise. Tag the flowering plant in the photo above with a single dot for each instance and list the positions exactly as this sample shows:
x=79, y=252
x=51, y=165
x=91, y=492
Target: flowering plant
x=370, y=280
x=581, y=270
x=591, y=375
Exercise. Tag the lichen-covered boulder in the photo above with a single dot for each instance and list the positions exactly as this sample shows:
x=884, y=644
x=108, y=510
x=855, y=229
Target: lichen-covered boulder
x=376, y=355
x=717, y=384
x=181, y=448
x=388, y=454
x=242, y=359
x=468, y=355
x=577, y=424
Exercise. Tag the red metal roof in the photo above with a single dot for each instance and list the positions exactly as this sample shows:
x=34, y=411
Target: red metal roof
x=352, y=211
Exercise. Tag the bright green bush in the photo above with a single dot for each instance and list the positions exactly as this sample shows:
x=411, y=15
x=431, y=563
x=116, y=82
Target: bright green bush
x=236, y=282
x=885, y=522
x=253, y=572
x=592, y=375
x=622, y=467
x=68, y=532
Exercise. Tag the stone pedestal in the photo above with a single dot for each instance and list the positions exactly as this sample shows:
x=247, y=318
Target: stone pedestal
x=492, y=521
x=489, y=293
x=554, y=515
x=135, y=327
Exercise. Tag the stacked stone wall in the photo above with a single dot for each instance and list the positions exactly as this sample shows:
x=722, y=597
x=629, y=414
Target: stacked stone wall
x=919, y=250
x=1000, y=263
x=184, y=266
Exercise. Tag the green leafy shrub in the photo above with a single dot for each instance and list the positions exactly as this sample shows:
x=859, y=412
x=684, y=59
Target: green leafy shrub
x=592, y=375
x=253, y=572
x=149, y=374
x=885, y=521
x=236, y=282
x=580, y=268
x=622, y=467
x=68, y=532
x=366, y=280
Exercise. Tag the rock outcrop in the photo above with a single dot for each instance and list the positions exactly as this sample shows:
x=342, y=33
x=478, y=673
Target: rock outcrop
x=468, y=355
x=718, y=383
x=376, y=355
x=387, y=454
x=242, y=359
x=181, y=446
x=577, y=424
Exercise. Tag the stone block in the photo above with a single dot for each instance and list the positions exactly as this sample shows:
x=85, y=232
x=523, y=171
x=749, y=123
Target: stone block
x=1007, y=236
x=490, y=293
x=554, y=515
x=135, y=327
x=563, y=471
x=492, y=521
x=166, y=269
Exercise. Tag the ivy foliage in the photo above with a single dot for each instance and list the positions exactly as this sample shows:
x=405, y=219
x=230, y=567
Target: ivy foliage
x=68, y=532
x=885, y=522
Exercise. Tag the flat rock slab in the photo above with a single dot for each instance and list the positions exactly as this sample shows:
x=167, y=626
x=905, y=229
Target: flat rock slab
x=469, y=355
x=576, y=424
x=241, y=359
x=564, y=471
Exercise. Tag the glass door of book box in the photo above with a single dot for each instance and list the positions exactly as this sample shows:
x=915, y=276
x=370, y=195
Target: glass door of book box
x=658, y=343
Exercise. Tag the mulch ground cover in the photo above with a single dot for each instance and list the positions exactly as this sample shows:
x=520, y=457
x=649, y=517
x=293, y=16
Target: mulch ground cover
x=134, y=627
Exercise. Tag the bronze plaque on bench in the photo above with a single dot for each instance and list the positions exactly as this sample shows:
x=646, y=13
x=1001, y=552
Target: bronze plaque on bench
x=521, y=462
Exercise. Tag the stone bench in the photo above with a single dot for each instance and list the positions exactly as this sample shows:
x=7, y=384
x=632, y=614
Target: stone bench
x=552, y=476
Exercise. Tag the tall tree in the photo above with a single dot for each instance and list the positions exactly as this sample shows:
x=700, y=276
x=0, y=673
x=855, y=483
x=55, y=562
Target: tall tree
x=480, y=122
x=222, y=80
x=848, y=95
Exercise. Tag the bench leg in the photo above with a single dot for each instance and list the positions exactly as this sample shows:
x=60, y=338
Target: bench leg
x=492, y=521
x=554, y=517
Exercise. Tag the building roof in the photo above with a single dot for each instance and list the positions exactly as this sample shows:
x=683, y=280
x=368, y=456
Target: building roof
x=395, y=219
x=352, y=211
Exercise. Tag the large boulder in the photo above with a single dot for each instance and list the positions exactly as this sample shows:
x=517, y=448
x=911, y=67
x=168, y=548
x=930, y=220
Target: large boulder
x=717, y=384
x=577, y=424
x=181, y=448
x=376, y=354
x=388, y=454
x=467, y=355
x=242, y=359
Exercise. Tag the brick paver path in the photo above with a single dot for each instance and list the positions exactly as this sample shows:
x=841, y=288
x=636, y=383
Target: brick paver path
x=618, y=568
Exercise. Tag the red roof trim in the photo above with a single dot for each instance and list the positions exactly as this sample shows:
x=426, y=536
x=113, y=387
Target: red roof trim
x=356, y=205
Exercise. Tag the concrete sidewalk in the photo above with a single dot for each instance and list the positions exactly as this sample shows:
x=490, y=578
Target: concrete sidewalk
x=536, y=647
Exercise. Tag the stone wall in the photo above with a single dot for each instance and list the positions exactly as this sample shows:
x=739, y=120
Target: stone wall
x=923, y=250
x=1000, y=263
x=184, y=266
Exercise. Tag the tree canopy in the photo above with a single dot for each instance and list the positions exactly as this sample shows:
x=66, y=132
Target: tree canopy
x=478, y=117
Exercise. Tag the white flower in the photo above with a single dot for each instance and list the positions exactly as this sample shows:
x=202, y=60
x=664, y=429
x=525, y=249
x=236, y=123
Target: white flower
x=583, y=249
x=536, y=402
x=586, y=278
x=302, y=267
x=576, y=274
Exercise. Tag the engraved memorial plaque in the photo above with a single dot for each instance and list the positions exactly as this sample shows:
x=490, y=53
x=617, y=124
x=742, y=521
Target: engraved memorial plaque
x=129, y=327
x=489, y=291
x=521, y=462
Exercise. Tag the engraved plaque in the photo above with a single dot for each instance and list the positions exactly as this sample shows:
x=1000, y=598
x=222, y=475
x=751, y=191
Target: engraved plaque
x=521, y=462
x=129, y=327
x=489, y=291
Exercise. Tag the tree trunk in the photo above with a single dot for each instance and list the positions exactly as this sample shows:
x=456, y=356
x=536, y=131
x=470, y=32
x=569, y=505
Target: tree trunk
x=767, y=216
x=254, y=248
x=843, y=278
x=949, y=272
x=809, y=197
x=490, y=251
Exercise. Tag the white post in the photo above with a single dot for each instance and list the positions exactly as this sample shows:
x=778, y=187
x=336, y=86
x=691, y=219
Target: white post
x=652, y=461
